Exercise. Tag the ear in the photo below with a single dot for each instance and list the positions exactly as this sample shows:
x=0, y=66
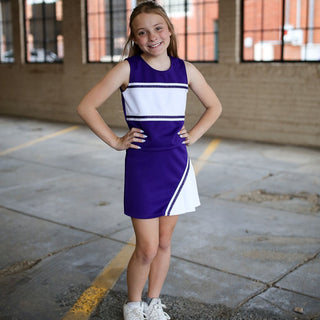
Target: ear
x=132, y=38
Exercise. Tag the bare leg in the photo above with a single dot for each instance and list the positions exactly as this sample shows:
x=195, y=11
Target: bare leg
x=160, y=265
x=147, y=243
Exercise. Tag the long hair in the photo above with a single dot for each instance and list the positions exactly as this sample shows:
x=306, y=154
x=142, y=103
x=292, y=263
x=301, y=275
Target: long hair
x=132, y=49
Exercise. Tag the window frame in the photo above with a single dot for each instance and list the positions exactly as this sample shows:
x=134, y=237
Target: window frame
x=189, y=8
x=9, y=24
x=282, y=43
x=44, y=41
x=110, y=36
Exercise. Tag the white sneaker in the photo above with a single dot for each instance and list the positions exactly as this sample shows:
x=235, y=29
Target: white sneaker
x=134, y=311
x=154, y=310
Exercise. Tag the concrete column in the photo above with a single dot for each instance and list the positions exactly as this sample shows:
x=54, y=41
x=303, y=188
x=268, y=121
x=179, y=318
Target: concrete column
x=17, y=30
x=73, y=32
x=229, y=31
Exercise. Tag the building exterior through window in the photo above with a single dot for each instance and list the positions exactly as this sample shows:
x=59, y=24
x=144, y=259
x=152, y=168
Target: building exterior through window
x=6, y=39
x=195, y=22
x=106, y=29
x=281, y=30
x=43, y=31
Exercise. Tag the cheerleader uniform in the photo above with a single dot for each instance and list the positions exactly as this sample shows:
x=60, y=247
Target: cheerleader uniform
x=159, y=177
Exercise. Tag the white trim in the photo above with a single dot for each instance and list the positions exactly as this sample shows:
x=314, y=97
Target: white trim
x=178, y=187
x=160, y=84
x=132, y=118
x=188, y=198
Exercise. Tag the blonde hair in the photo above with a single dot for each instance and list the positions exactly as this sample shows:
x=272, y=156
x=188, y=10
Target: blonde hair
x=132, y=49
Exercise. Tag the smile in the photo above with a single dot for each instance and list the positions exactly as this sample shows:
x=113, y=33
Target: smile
x=155, y=45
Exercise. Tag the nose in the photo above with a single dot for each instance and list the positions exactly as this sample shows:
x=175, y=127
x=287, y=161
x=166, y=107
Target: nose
x=152, y=36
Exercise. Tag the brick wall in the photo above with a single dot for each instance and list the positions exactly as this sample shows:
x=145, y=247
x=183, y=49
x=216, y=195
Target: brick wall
x=261, y=101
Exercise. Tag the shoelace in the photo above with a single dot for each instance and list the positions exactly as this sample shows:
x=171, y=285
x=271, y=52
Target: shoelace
x=137, y=314
x=159, y=312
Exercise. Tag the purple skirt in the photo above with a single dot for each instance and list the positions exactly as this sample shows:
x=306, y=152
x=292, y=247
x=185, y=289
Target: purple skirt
x=159, y=183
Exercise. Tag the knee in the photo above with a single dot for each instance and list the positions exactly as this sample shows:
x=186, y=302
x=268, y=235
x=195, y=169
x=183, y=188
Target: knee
x=146, y=254
x=164, y=242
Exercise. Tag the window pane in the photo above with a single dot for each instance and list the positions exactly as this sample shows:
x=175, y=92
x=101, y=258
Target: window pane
x=199, y=40
x=6, y=45
x=120, y=31
x=107, y=29
x=301, y=38
x=271, y=14
x=175, y=7
x=281, y=30
x=249, y=38
x=43, y=27
x=252, y=18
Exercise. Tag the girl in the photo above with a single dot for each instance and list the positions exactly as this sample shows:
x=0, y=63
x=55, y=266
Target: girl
x=159, y=178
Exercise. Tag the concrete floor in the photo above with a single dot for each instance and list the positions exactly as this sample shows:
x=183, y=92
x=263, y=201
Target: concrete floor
x=251, y=251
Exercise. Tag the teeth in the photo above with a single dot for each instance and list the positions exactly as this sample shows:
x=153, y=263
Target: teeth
x=155, y=45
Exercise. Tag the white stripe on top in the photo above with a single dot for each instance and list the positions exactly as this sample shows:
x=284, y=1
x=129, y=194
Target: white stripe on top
x=155, y=118
x=158, y=84
x=155, y=99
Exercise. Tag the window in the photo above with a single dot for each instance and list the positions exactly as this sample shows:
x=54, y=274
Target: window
x=195, y=22
x=281, y=30
x=43, y=31
x=6, y=45
x=107, y=29
x=196, y=25
x=176, y=8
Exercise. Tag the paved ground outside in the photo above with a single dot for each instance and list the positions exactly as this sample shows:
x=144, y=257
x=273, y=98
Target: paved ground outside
x=251, y=251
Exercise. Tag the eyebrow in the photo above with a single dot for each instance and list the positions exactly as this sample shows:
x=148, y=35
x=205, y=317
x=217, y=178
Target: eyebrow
x=155, y=25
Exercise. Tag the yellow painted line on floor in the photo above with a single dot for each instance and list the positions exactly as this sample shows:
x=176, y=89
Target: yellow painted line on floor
x=105, y=281
x=30, y=143
x=205, y=155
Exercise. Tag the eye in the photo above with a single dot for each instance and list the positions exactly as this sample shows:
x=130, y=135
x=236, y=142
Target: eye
x=158, y=28
x=141, y=33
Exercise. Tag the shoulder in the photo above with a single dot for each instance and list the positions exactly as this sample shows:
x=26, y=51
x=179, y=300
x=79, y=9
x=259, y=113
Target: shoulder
x=121, y=69
x=133, y=60
x=118, y=76
x=192, y=72
x=189, y=66
x=122, y=73
x=122, y=66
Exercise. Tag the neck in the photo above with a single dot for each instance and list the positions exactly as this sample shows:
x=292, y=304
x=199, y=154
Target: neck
x=160, y=63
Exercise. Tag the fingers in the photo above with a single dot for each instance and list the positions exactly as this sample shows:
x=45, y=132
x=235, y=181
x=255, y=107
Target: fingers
x=187, y=142
x=134, y=135
x=183, y=133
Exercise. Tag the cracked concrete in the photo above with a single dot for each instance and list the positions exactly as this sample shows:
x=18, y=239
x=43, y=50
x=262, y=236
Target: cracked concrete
x=18, y=267
x=251, y=251
x=309, y=201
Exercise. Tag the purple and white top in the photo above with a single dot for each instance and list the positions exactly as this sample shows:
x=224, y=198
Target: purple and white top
x=155, y=101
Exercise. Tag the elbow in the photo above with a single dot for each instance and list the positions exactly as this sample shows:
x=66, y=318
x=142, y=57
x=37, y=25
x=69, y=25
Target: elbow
x=80, y=110
x=218, y=109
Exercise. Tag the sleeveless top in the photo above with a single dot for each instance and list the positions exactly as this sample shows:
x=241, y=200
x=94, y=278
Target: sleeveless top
x=155, y=101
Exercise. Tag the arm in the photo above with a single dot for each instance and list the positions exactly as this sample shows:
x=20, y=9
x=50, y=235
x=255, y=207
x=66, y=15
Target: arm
x=209, y=100
x=88, y=108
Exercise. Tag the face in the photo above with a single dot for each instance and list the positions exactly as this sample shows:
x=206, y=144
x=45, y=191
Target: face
x=151, y=33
